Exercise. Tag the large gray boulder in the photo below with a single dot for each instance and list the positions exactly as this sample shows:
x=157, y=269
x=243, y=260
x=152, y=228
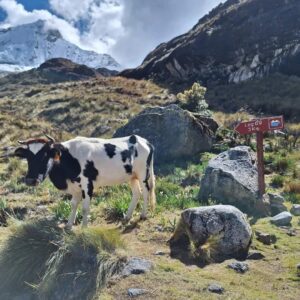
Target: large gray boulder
x=218, y=232
x=232, y=178
x=174, y=132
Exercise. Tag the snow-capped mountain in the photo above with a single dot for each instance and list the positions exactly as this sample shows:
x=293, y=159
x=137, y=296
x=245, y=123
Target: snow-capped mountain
x=27, y=46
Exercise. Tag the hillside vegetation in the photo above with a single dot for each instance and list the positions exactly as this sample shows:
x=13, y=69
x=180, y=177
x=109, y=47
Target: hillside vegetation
x=92, y=108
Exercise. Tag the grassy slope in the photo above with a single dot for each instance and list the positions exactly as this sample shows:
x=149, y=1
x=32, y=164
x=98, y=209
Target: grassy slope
x=91, y=108
x=272, y=278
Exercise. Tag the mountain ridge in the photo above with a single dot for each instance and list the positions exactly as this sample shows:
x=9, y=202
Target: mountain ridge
x=237, y=41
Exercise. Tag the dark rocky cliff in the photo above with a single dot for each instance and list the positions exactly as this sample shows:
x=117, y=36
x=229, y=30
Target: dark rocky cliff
x=237, y=41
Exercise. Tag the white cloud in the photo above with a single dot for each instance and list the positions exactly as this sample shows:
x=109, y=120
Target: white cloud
x=126, y=29
x=17, y=15
x=71, y=10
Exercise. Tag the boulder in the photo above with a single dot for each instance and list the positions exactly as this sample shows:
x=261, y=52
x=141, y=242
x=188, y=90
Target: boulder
x=295, y=210
x=276, y=204
x=282, y=219
x=218, y=232
x=174, y=132
x=232, y=178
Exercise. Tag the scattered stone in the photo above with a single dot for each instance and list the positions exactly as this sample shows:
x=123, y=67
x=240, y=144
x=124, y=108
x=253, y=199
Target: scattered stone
x=185, y=134
x=159, y=228
x=160, y=253
x=266, y=238
x=276, y=203
x=133, y=292
x=232, y=178
x=239, y=267
x=136, y=266
x=225, y=224
x=215, y=288
x=255, y=255
x=282, y=219
x=295, y=210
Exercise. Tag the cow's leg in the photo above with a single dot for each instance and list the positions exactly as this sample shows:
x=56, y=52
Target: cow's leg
x=87, y=192
x=74, y=203
x=136, y=193
x=85, y=210
x=145, y=192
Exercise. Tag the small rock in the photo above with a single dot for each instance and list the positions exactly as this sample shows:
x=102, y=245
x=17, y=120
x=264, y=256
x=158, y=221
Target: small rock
x=282, y=219
x=136, y=266
x=160, y=253
x=255, y=255
x=159, y=228
x=215, y=288
x=295, y=210
x=239, y=267
x=133, y=292
x=265, y=238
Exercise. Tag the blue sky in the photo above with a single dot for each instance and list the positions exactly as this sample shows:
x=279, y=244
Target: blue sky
x=126, y=29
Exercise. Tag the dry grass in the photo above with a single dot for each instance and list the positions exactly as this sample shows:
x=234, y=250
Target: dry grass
x=89, y=108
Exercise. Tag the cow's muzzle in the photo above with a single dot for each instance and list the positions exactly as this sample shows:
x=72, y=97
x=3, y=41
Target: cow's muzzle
x=31, y=181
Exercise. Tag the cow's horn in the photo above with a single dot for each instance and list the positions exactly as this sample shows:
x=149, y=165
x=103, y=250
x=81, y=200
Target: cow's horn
x=50, y=138
x=22, y=142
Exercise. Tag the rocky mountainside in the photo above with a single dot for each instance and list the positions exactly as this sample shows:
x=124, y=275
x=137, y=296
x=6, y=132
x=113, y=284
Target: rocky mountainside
x=237, y=41
x=56, y=70
x=27, y=46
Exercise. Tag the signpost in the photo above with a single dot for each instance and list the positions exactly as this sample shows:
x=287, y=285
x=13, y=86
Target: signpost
x=259, y=126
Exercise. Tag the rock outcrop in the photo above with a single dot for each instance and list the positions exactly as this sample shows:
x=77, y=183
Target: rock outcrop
x=218, y=232
x=232, y=178
x=174, y=132
x=235, y=42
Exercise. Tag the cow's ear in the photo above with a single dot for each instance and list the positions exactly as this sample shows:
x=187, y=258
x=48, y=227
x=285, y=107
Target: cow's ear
x=55, y=154
x=21, y=152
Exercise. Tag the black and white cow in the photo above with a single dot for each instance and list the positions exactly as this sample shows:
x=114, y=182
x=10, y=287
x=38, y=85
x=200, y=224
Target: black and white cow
x=80, y=165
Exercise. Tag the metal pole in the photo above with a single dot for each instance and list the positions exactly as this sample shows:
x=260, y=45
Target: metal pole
x=260, y=162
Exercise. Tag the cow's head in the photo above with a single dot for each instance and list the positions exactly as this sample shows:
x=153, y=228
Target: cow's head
x=40, y=154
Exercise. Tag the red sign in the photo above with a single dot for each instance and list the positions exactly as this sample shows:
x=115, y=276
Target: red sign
x=260, y=125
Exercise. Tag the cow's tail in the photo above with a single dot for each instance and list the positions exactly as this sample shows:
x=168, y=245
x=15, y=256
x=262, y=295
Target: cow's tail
x=151, y=178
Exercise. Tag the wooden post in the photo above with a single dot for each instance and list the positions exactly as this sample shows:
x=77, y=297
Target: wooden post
x=260, y=162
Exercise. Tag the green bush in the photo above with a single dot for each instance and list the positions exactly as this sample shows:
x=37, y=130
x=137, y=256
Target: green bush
x=194, y=100
x=277, y=181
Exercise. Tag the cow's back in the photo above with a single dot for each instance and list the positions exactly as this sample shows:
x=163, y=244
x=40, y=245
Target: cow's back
x=115, y=160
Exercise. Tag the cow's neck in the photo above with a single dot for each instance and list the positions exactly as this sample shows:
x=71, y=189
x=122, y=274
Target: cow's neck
x=67, y=169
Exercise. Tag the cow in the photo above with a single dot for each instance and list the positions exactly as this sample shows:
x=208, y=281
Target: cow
x=80, y=165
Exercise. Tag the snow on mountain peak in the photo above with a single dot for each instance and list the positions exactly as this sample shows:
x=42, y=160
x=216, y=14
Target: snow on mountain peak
x=29, y=45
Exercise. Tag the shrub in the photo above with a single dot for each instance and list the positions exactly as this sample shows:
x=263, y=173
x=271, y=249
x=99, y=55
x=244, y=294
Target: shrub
x=194, y=100
x=281, y=165
x=277, y=181
x=40, y=258
x=293, y=187
x=293, y=198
